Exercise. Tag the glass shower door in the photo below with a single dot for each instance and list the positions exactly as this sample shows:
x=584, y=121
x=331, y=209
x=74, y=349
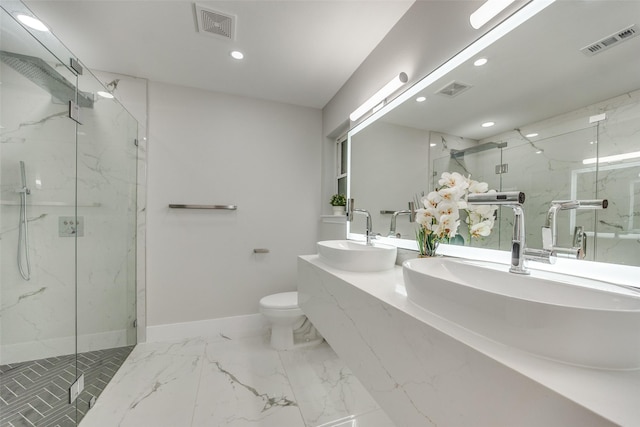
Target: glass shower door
x=106, y=219
x=37, y=271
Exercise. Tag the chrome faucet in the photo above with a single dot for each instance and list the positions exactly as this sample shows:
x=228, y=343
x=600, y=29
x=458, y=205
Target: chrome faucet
x=351, y=211
x=412, y=218
x=519, y=251
x=550, y=228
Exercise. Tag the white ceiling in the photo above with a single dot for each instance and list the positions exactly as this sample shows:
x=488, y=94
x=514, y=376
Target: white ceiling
x=299, y=52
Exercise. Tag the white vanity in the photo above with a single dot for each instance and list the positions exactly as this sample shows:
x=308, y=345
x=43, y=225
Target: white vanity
x=427, y=370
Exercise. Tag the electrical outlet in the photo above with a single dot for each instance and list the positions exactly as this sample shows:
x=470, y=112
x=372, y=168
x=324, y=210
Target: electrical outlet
x=70, y=226
x=76, y=388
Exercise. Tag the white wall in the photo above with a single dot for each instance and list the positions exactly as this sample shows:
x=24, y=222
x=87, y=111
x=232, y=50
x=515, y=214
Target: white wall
x=210, y=148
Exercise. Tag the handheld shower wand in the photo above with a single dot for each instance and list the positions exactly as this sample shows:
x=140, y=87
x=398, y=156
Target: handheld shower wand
x=24, y=264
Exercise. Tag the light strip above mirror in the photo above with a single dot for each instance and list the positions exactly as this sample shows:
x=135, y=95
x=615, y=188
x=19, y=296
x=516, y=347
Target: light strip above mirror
x=395, y=84
x=489, y=10
x=514, y=21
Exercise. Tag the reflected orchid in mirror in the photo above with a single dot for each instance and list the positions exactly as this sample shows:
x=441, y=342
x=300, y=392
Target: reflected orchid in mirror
x=439, y=218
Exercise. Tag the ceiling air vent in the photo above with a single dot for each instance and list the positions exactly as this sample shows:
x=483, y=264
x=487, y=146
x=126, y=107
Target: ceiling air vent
x=612, y=40
x=453, y=89
x=214, y=23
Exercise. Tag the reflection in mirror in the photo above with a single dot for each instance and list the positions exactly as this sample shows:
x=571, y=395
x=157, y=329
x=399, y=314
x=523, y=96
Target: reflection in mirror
x=560, y=113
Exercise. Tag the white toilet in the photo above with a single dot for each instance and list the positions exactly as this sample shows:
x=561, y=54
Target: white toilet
x=289, y=326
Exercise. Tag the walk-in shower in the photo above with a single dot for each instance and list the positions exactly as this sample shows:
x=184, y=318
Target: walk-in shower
x=67, y=230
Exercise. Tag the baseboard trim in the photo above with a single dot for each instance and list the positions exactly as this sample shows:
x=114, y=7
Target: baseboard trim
x=227, y=327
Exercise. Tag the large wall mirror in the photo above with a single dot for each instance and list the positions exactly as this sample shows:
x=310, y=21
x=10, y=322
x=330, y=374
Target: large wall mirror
x=563, y=90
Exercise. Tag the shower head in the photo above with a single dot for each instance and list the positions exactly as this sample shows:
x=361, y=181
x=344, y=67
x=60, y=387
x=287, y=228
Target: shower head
x=475, y=149
x=45, y=76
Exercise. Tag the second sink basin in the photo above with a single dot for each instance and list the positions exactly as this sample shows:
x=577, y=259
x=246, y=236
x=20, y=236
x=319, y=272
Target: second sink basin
x=357, y=256
x=558, y=316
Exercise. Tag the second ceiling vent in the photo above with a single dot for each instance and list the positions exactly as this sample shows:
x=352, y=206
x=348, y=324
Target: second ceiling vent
x=613, y=39
x=215, y=23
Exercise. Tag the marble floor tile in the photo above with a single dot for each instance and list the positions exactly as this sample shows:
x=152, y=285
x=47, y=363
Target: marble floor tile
x=156, y=386
x=243, y=383
x=219, y=382
x=325, y=389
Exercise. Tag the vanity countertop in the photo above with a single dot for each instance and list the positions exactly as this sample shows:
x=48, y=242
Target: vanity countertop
x=612, y=394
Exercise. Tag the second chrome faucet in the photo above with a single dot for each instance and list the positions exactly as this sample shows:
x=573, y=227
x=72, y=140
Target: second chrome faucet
x=550, y=228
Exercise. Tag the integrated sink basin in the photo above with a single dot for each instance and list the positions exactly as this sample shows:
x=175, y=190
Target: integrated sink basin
x=357, y=256
x=562, y=317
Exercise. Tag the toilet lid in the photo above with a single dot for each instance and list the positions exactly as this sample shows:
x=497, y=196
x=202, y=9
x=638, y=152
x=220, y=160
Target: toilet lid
x=282, y=300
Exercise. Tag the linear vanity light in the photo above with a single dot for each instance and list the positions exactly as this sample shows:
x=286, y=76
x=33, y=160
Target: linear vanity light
x=614, y=158
x=519, y=17
x=379, y=96
x=488, y=11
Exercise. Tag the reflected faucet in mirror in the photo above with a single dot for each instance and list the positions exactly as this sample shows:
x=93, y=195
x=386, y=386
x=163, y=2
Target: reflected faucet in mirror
x=550, y=229
x=412, y=218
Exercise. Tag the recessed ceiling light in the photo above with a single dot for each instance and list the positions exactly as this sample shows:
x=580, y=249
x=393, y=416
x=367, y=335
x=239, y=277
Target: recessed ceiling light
x=488, y=124
x=433, y=144
x=421, y=99
x=105, y=94
x=32, y=22
x=531, y=135
x=539, y=151
x=236, y=54
x=480, y=62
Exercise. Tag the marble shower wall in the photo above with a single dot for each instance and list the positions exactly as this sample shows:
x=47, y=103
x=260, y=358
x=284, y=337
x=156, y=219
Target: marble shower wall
x=39, y=315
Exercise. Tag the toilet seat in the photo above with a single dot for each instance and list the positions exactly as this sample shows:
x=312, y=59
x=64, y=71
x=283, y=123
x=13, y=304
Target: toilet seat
x=281, y=301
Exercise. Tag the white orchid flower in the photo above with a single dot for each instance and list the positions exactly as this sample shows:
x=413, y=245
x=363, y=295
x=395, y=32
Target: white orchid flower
x=448, y=226
x=426, y=218
x=432, y=200
x=450, y=209
x=453, y=180
x=481, y=229
x=452, y=194
x=478, y=187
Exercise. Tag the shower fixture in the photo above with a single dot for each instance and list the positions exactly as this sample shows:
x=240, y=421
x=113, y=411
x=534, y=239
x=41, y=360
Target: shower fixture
x=47, y=78
x=24, y=264
x=111, y=87
x=455, y=154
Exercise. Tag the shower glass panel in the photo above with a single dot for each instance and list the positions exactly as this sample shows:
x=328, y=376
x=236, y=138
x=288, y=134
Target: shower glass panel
x=67, y=228
x=106, y=236
x=38, y=318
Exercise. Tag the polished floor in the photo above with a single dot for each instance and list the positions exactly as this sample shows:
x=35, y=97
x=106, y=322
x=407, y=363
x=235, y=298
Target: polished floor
x=234, y=382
